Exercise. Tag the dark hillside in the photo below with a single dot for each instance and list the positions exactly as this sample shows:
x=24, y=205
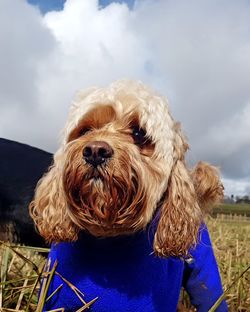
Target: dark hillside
x=21, y=166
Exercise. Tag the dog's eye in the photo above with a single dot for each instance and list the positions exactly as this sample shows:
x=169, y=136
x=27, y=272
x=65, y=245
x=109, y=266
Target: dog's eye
x=139, y=136
x=83, y=131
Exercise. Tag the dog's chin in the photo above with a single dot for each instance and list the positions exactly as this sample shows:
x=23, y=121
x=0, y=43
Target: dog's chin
x=106, y=205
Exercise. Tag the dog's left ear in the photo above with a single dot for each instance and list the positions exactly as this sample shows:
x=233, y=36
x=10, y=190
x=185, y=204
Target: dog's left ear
x=208, y=186
x=180, y=215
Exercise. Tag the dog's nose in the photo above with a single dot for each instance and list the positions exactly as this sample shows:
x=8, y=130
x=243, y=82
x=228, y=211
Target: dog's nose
x=96, y=152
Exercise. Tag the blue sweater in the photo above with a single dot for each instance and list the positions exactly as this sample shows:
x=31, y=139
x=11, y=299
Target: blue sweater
x=126, y=276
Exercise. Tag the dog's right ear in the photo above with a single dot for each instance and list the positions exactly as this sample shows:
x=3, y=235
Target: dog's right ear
x=49, y=207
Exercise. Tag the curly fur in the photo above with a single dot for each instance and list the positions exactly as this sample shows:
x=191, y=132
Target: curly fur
x=208, y=186
x=122, y=195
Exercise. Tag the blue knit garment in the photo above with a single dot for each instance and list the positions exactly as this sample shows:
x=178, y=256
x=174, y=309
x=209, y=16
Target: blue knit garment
x=126, y=276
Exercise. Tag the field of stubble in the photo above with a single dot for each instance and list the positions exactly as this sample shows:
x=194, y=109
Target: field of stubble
x=21, y=268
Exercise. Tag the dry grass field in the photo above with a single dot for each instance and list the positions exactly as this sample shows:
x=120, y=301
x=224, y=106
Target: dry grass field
x=230, y=235
x=231, y=241
x=21, y=268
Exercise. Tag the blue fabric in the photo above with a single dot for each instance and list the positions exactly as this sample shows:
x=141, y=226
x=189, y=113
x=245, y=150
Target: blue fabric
x=126, y=277
x=201, y=277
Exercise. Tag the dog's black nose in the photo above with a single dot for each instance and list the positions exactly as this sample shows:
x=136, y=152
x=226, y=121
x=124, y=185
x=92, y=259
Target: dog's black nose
x=96, y=152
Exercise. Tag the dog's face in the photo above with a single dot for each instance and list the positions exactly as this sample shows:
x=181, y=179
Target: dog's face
x=112, y=175
x=122, y=154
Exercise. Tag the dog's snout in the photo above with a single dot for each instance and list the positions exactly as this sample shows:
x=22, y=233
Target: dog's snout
x=96, y=152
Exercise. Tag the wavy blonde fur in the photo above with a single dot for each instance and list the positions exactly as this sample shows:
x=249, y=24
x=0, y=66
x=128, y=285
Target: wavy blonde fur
x=123, y=195
x=49, y=208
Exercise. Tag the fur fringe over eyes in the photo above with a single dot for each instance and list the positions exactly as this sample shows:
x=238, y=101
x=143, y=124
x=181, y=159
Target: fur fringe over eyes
x=122, y=195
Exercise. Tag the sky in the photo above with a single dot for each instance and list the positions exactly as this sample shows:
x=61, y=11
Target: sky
x=196, y=53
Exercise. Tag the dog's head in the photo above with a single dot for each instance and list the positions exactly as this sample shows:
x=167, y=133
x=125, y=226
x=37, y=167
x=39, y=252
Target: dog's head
x=121, y=159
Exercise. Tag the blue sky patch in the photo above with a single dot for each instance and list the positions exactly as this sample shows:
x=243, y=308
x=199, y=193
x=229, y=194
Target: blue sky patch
x=48, y=5
x=57, y=5
x=104, y=3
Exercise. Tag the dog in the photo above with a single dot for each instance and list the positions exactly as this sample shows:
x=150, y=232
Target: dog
x=123, y=211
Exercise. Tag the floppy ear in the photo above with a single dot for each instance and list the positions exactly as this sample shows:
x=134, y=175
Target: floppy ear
x=180, y=215
x=208, y=186
x=49, y=207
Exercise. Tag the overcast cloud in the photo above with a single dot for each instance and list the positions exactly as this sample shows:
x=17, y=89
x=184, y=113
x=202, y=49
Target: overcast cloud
x=195, y=52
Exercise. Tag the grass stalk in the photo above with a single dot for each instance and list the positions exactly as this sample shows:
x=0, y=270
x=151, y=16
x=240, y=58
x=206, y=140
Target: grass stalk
x=223, y=296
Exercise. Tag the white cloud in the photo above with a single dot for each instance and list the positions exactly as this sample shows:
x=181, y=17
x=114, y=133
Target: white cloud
x=25, y=44
x=239, y=187
x=231, y=143
x=196, y=52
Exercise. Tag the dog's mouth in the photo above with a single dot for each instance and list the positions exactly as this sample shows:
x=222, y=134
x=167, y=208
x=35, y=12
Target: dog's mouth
x=94, y=174
x=104, y=203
